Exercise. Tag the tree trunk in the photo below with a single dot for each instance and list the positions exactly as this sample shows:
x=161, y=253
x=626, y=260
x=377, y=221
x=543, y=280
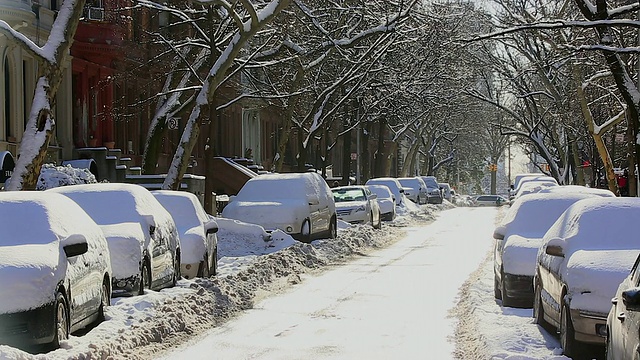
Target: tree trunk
x=366, y=160
x=632, y=182
x=380, y=156
x=346, y=156
x=209, y=154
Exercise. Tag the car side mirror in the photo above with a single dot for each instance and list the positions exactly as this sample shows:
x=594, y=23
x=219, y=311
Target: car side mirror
x=313, y=199
x=401, y=191
x=631, y=298
x=76, y=249
x=373, y=196
x=211, y=227
x=555, y=247
x=498, y=233
x=151, y=222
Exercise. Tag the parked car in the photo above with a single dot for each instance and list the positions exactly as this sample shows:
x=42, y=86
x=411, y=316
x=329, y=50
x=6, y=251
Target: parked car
x=585, y=255
x=300, y=204
x=434, y=193
x=55, y=271
x=197, y=232
x=415, y=189
x=623, y=331
x=142, y=236
x=386, y=201
x=490, y=200
x=393, y=184
x=357, y=205
x=516, y=181
x=525, y=179
x=532, y=187
x=519, y=236
x=446, y=191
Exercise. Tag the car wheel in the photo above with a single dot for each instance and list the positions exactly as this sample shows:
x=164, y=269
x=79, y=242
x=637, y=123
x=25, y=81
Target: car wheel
x=538, y=310
x=145, y=277
x=205, y=270
x=567, y=334
x=497, y=293
x=176, y=269
x=305, y=231
x=333, y=228
x=214, y=269
x=506, y=300
x=104, y=300
x=379, y=224
x=61, y=321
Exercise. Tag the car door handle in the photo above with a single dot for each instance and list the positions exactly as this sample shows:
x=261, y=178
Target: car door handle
x=621, y=316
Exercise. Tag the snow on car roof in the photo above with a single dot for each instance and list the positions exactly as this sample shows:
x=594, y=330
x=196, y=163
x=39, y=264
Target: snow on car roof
x=111, y=203
x=280, y=186
x=380, y=190
x=184, y=207
x=533, y=215
x=601, y=223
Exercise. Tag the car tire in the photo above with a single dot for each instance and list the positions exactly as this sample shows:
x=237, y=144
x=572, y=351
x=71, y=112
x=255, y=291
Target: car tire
x=61, y=312
x=506, y=300
x=538, y=309
x=497, y=292
x=379, y=224
x=176, y=269
x=567, y=334
x=145, y=277
x=205, y=270
x=305, y=231
x=333, y=228
x=214, y=270
x=105, y=300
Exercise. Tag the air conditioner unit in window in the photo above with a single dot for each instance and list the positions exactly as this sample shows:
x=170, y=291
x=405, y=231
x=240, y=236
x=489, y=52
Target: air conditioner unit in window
x=96, y=13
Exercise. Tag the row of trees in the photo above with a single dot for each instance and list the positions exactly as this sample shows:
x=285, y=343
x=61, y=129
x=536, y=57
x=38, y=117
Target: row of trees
x=554, y=76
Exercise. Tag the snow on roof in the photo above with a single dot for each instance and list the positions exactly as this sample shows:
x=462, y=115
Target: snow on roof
x=277, y=187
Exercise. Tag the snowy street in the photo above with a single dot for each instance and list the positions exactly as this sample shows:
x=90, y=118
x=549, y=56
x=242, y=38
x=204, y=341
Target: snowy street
x=393, y=303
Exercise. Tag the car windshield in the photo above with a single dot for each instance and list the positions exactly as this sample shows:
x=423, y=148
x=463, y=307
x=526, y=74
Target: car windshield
x=344, y=195
x=107, y=207
x=431, y=182
x=182, y=210
x=412, y=183
x=381, y=191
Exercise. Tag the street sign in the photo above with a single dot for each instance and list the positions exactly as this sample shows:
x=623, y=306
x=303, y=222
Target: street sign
x=354, y=156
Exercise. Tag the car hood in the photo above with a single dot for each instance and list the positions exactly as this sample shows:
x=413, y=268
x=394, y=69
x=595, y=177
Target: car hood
x=593, y=277
x=29, y=275
x=519, y=255
x=193, y=241
x=126, y=243
x=267, y=214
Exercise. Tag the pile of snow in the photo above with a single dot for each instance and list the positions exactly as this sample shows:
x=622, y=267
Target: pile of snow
x=52, y=176
x=252, y=264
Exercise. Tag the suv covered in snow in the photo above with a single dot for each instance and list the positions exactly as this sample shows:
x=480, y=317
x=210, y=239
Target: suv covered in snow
x=300, y=204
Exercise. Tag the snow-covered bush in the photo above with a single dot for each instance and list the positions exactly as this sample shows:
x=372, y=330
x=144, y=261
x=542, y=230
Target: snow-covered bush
x=54, y=176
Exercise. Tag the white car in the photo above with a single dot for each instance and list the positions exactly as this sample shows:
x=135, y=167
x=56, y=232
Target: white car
x=584, y=256
x=385, y=200
x=415, y=189
x=55, y=272
x=533, y=187
x=357, y=205
x=519, y=237
x=490, y=200
x=447, y=193
x=300, y=204
x=525, y=179
x=623, y=332
x=393, y=184
x=197, y=231
x=142, y=236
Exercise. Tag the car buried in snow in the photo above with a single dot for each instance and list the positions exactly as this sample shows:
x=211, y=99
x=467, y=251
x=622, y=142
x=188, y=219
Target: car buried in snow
x=386, y=201
x=357, y=205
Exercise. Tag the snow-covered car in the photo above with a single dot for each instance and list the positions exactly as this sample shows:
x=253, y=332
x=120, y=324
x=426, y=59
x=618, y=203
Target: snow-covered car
x=533, y=187
x=142, y=236
x=434, y=193
x=540, y=178
x=584, y=257
x=393, y=184
x=55, y=272
x=623, y=332
x=300, y=204
x=197, y=232
x=357, y=205
x=519, y=236
x=490, y=200
x=415, y=189
x=385, y=200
